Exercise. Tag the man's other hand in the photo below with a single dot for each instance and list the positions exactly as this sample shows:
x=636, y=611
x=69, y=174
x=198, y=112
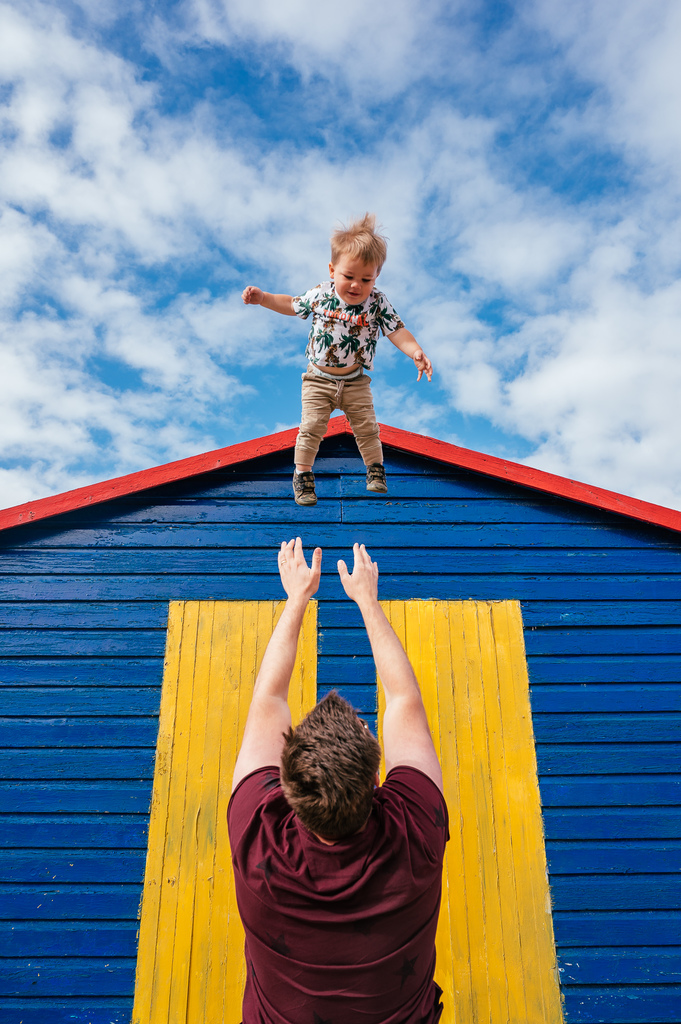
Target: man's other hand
x=297, y=578
x=362, y=585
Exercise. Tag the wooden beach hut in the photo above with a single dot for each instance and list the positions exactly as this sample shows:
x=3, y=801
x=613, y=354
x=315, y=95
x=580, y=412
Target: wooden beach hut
x=544, y=619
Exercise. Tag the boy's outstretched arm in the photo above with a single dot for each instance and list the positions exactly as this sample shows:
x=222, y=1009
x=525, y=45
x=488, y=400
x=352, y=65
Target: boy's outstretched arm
x=406, y=733
x=269, y=716
x=407, y=343
x=253, y=296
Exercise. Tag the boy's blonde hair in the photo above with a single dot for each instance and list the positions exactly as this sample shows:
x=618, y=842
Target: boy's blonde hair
x=360, y=239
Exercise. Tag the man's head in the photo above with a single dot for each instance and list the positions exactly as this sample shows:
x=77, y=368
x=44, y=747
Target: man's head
x=328, y=769
x=357, y=254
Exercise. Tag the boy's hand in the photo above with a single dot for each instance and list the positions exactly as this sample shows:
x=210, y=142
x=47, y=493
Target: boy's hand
x=252, y=296
x=423, y=364
x=362, y=585
x=297, y=579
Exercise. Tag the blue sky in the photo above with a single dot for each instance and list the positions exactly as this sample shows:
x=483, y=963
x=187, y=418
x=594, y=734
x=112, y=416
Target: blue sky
x=523, y=159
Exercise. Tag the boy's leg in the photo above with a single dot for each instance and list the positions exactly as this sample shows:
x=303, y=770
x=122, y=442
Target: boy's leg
x=358, y=405
x=318, y=402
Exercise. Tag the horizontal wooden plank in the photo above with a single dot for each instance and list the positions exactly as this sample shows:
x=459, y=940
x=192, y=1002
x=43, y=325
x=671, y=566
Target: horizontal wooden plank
x=59, y=700
x=270, y=507
x=78, y=1010
x=70, y=902
x=617, y=892
x=389, y=509
x=94, y=797
x=634, y=856
x=70, y=763
x=45, y=866
x=111, y=671
x=83, y=615
x=495, y=577
x=68, y=938
x=553, y=613
x=50, y=643
x=605, y=640
x=616, y=928
x=58, y=976
x=620, y=966
x=607, y=758
x=601, y=613
x=626, y=1004
x=123, y=731
x=615, y=727
x=575, y=674
x=609, y=790
x=406, y=480
x=612, y=822
x=594, y=697
x=595, y=668
x=390, y=544
x=110, y=831
x=81, y=671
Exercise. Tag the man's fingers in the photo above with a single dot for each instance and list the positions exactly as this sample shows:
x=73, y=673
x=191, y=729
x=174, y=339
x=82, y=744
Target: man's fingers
x=342, y=569
x=317, y=561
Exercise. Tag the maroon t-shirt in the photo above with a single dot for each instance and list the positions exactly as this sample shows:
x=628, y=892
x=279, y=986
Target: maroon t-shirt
x=345, y=933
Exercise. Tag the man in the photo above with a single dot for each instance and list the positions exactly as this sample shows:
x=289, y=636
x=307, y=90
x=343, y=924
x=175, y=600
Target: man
x=338, y=879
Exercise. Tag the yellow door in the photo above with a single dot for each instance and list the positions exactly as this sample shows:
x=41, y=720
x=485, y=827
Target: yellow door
x=495, y=951
x=190, y=967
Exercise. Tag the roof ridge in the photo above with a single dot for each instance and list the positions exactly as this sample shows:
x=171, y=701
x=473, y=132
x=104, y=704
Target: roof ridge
x=393, y=437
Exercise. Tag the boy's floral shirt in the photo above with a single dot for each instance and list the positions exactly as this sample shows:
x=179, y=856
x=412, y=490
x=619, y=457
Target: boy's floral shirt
x=341, y=334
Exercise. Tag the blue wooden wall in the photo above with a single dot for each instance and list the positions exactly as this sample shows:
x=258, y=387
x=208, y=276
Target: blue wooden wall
x=83, y=605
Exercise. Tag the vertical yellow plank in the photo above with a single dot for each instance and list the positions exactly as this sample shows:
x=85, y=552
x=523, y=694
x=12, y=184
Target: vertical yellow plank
x=450, y=674
x=173, y=825
x=158, y=816
x=495, y=950
x=206, y=825
x=542, y=990
x=473, y=798
x=190, y=961
x=497, y=728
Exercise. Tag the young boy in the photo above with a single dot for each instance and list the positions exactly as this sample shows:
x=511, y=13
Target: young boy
x=347, y=314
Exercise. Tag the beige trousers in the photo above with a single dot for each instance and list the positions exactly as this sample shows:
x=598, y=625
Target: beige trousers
x=321, y=395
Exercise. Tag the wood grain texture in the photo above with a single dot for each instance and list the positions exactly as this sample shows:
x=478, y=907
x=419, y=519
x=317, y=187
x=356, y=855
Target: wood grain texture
x=495, y=951
x=92, y=586
x=190, y=962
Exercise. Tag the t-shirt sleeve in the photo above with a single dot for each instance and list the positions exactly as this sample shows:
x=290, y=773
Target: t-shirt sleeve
x=425, y=805
x=385, y=316
x=303, y=305
x=251, y=793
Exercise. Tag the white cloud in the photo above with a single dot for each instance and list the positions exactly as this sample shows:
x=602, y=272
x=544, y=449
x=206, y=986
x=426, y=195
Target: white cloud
x=105, y=194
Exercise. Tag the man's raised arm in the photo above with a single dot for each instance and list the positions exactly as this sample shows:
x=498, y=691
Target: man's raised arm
x=406, y=733
x=269, y=716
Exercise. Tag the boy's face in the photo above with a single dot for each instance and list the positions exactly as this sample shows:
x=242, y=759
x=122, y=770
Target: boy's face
x=353, y=279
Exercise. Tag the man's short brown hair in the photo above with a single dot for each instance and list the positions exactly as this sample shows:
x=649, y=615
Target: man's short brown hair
x=328, y=769
x=360, y=240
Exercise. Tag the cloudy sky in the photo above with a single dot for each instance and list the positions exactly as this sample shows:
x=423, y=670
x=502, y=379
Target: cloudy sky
x=523, y=158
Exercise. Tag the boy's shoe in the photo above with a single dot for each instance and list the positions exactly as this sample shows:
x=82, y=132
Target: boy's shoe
x=303, y=488
x=376, y=478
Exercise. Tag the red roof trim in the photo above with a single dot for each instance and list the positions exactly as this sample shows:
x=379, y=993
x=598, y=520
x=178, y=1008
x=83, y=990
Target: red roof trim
x=392, y=437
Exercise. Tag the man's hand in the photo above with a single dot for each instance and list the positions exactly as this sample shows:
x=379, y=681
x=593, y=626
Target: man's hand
x=362, y=585
x=252, y=296
x=298, y=580
x=423, y=364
